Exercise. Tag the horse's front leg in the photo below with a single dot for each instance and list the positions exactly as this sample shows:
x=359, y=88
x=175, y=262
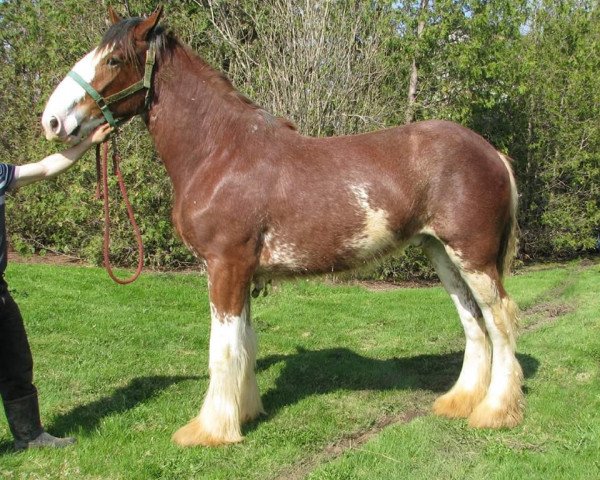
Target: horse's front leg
x=232, y=397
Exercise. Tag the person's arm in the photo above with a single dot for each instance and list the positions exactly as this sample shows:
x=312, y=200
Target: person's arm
x=57, y=163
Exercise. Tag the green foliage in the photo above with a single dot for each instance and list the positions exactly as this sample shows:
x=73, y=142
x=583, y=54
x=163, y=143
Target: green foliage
x=560, y=168
x=523, y=74
x=412, y=264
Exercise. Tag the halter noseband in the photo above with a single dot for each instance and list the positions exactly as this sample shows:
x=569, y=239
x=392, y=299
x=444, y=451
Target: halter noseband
x=104, y=103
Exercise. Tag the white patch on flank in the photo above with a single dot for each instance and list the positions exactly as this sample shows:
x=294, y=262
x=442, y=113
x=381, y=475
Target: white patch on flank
x=63, y=102
x=232, y=395
x=455, y=257
x=418, y=239
x=277, y=253
x=427, y=230
x=375, y=235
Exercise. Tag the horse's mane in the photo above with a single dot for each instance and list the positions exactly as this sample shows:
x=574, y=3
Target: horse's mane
x=166, y=43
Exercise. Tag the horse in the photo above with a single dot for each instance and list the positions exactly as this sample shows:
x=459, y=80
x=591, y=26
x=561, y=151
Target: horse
x=257, y=200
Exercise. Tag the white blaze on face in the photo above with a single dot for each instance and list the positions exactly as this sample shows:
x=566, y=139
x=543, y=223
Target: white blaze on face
x=62, y=114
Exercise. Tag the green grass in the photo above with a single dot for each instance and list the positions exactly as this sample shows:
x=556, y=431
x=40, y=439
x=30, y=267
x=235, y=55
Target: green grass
x=122, y=368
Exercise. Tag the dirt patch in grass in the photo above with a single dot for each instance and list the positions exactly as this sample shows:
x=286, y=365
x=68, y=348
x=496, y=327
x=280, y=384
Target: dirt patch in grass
x=57, y=259
x=47, y=259
x=549, y=309
x=383, y=286
x=545, y=313
x=359, y=438
x=352, y=441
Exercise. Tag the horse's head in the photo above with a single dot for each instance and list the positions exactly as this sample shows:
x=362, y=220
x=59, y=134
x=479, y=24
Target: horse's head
x=97, y=89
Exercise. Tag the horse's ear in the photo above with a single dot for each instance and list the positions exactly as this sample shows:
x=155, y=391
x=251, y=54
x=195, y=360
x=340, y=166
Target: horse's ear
x=143, y=29
x=113, y=16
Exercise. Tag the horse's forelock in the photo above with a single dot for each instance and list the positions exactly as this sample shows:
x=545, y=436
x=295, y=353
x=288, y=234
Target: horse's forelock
x=119, y=35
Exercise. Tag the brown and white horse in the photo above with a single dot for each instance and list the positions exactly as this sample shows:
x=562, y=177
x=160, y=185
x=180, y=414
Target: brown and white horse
x=255, y=199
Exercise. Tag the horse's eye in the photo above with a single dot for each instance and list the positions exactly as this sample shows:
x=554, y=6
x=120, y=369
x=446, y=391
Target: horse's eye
x=113, y=62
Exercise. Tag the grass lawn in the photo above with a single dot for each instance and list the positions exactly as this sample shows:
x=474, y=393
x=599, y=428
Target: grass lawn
x=347, y=377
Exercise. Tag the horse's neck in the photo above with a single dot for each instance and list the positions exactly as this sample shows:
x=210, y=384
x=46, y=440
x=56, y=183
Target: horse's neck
x=195, y=115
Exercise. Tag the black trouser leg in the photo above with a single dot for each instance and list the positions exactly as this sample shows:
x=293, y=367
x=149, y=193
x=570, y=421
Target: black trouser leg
x=18, y=393
x=16, y=363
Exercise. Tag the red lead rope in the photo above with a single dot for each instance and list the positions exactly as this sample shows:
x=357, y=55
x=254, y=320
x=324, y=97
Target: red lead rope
x=102, y=177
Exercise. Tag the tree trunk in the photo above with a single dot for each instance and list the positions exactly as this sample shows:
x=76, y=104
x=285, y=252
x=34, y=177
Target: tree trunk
x=414, y=72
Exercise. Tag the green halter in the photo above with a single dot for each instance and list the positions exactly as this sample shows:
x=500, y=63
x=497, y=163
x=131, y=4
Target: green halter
x=104, y=103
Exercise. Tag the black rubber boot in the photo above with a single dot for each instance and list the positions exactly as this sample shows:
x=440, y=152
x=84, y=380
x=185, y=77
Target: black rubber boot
x=23, y=417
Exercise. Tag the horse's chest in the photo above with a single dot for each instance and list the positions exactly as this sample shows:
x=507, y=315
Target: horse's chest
x=206, y=226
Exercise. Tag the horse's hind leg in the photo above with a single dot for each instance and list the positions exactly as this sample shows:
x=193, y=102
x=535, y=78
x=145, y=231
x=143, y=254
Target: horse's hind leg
x=232, y=397
x=502, y=405
x=472, y=384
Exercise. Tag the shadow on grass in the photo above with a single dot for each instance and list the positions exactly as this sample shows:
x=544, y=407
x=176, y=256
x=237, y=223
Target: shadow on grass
x=309, y=372
x=6, y=448
x=139, y=390
x=87, y=417
x=305, y=373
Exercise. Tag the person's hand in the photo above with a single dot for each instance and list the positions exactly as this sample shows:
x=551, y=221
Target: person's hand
x=101, y=133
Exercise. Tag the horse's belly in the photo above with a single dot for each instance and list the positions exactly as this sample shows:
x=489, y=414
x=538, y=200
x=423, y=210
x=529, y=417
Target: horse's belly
x=317, y=253
x=354, y=233
x=283, y=256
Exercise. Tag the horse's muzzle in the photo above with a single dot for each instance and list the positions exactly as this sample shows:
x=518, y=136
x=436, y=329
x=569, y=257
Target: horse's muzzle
x=52, y=128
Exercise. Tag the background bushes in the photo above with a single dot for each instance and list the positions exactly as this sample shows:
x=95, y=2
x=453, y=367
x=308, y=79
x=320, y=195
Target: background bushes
x=523, y=74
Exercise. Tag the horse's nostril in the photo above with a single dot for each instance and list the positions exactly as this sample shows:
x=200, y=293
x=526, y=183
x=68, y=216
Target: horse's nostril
x=54, y=123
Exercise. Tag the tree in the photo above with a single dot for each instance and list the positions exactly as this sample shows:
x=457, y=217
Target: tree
x=522, y=73
x=414, y=69
x=316, y=62
x=561, y=95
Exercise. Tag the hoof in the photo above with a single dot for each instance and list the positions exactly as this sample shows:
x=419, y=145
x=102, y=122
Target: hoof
x=488, y=416
x=194, y=434
x=457, y=404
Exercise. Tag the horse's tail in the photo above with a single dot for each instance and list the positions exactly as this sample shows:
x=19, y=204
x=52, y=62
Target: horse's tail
x=509, y=241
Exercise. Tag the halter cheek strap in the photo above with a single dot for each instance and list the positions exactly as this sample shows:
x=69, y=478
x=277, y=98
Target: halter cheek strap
x=104, y=103
x=99, y=99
